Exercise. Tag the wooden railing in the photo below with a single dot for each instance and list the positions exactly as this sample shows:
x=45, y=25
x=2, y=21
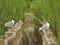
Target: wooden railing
x=48, y=38
x=12, y=36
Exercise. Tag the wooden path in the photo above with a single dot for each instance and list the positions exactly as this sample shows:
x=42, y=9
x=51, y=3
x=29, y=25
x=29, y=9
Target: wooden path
x=31, y=37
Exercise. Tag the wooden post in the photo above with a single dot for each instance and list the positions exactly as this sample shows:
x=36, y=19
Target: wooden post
x=27, y=20
x=49, y=34
x=13, y=35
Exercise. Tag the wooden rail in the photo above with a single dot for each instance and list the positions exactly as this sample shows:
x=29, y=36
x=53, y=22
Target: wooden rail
x=12, y=36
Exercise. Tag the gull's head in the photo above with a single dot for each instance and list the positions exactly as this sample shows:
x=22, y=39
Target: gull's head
x=47, y=24
x=13, y=21
x=39, y=28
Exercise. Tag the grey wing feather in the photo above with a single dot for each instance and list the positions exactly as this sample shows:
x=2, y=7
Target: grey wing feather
x=8, y=24
x=44, y=27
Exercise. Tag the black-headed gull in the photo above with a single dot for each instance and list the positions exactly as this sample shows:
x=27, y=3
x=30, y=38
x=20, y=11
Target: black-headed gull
x=44, y=26
x=9, y=24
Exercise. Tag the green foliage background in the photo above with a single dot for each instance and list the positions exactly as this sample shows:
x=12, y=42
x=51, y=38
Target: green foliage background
x=45, y=10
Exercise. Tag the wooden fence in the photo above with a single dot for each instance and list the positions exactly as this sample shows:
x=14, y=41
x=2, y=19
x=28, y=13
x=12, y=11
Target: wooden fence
x=12, y=36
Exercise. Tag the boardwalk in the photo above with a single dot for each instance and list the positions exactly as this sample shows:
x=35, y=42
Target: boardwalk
x=31, y=37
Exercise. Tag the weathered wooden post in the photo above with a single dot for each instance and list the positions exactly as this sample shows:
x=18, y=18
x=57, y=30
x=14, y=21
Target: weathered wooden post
x=27, y=20
x=10, y=37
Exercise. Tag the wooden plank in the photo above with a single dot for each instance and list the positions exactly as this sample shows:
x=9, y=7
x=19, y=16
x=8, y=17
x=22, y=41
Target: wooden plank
x=35, y=41
x=38, y=36
x=24, y=40
x=30, y=41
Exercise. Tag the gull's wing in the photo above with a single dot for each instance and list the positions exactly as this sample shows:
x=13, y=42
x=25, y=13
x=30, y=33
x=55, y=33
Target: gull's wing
x=9, y=24
x=44, y=27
